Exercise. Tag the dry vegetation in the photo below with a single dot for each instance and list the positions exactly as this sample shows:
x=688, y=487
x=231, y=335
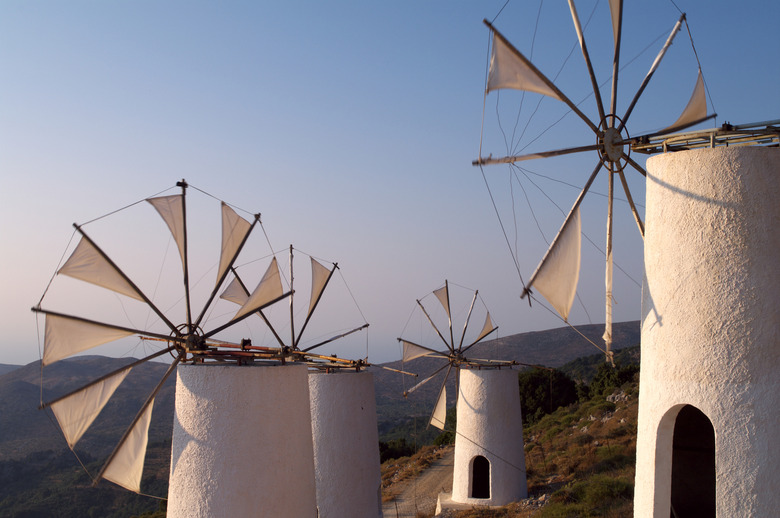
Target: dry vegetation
x=579, y=462
x=396, y=473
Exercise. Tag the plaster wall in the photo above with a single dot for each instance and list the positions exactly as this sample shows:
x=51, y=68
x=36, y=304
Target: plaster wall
x=346, y=444
x=490, y=425
x=711, y=323
x=242, y=443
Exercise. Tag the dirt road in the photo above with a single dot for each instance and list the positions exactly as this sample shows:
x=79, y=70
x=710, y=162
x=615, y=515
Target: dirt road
x=420, y=494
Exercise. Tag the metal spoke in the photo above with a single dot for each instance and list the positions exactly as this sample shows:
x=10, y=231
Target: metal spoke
x=534, y=156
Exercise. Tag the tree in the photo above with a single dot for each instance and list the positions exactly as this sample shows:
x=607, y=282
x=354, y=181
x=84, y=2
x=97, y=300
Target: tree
x=543, y=391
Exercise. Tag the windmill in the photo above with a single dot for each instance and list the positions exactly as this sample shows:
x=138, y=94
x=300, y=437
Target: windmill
x=557, y=274
x=192, y=334
x=453, y=356
x=489, y=463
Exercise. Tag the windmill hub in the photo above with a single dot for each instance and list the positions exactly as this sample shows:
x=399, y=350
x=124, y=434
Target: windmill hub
x=613, y=144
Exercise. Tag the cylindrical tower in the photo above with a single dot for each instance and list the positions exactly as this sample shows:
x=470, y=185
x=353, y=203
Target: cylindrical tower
x=709, y=425
x=489, y=465
x=346, y=444
x=242, y=443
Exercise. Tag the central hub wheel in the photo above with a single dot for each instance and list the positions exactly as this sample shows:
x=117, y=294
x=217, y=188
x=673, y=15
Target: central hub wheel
x=613, y=144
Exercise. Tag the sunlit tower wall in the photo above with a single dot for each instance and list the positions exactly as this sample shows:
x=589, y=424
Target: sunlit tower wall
x=346, y=444
x=709, y=402
x=489, y=464
x=242, y=443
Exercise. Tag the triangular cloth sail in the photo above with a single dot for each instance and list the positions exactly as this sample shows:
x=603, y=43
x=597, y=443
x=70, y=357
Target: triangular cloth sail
x=557, y=275
x=234, y=230
x=510, y=69
x=171, y=208
x=128, y=464
x=444, y=297
x=412, y=351
x=76, y=412
x=66, y=336
x=696, y=108
x=87, y=264
x=235, y=293
x=269, y=288
x=319, y=277
x=486, y=329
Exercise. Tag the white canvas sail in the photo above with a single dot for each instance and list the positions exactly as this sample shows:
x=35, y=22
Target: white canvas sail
x=171, y=209
x=439, y=415
x=87, y=264
x=412, y=351
x=510, y=69
x=234, y=230
x=269, y=288
x=615, y=7
x=557, y=276
x=235, y=293
x=444, y=297
x=127, y=465
x=319, y=277
x=696, y=109
x=486, y=329
x=66, y=336
x=76, y=412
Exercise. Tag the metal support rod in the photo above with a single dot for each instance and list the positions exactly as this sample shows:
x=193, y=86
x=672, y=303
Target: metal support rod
x=183, y=185
x=653, y=68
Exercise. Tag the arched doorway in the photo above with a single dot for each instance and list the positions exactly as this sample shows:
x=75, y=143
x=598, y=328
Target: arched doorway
x=480, y=477
x=693, y=465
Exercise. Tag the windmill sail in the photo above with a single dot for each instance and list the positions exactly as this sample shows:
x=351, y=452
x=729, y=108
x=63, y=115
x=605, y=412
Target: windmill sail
x=127, y=465
x=86, y=263
x=696, y=109
x=412, y=351
x=487, y=328
x=269, y=288
x=439, y=415
x=76, y=412
x=66, y=336
x=443, y=295
x=234, y=231
x=171, y=209
x=319, y=278
x=235, y=292
x=510, y=69
x=557, y=275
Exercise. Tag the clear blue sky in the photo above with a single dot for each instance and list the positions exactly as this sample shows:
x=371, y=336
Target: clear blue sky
x=351, y=126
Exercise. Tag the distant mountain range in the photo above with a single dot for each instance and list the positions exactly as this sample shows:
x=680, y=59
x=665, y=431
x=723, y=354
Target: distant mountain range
x=24, y=429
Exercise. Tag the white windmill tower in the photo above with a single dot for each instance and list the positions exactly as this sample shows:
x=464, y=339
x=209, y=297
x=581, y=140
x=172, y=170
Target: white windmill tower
x=342, y=402
x=709, y=390
x=242, y=440
x=489, y=465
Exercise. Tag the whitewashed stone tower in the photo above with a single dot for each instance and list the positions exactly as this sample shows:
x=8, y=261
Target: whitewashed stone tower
x=489, y=465
x=346, y=444
x=242, y=443
x=709, y=404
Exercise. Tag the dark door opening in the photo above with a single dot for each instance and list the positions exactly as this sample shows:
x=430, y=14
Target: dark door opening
x=693, y=465
x=480, y=477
